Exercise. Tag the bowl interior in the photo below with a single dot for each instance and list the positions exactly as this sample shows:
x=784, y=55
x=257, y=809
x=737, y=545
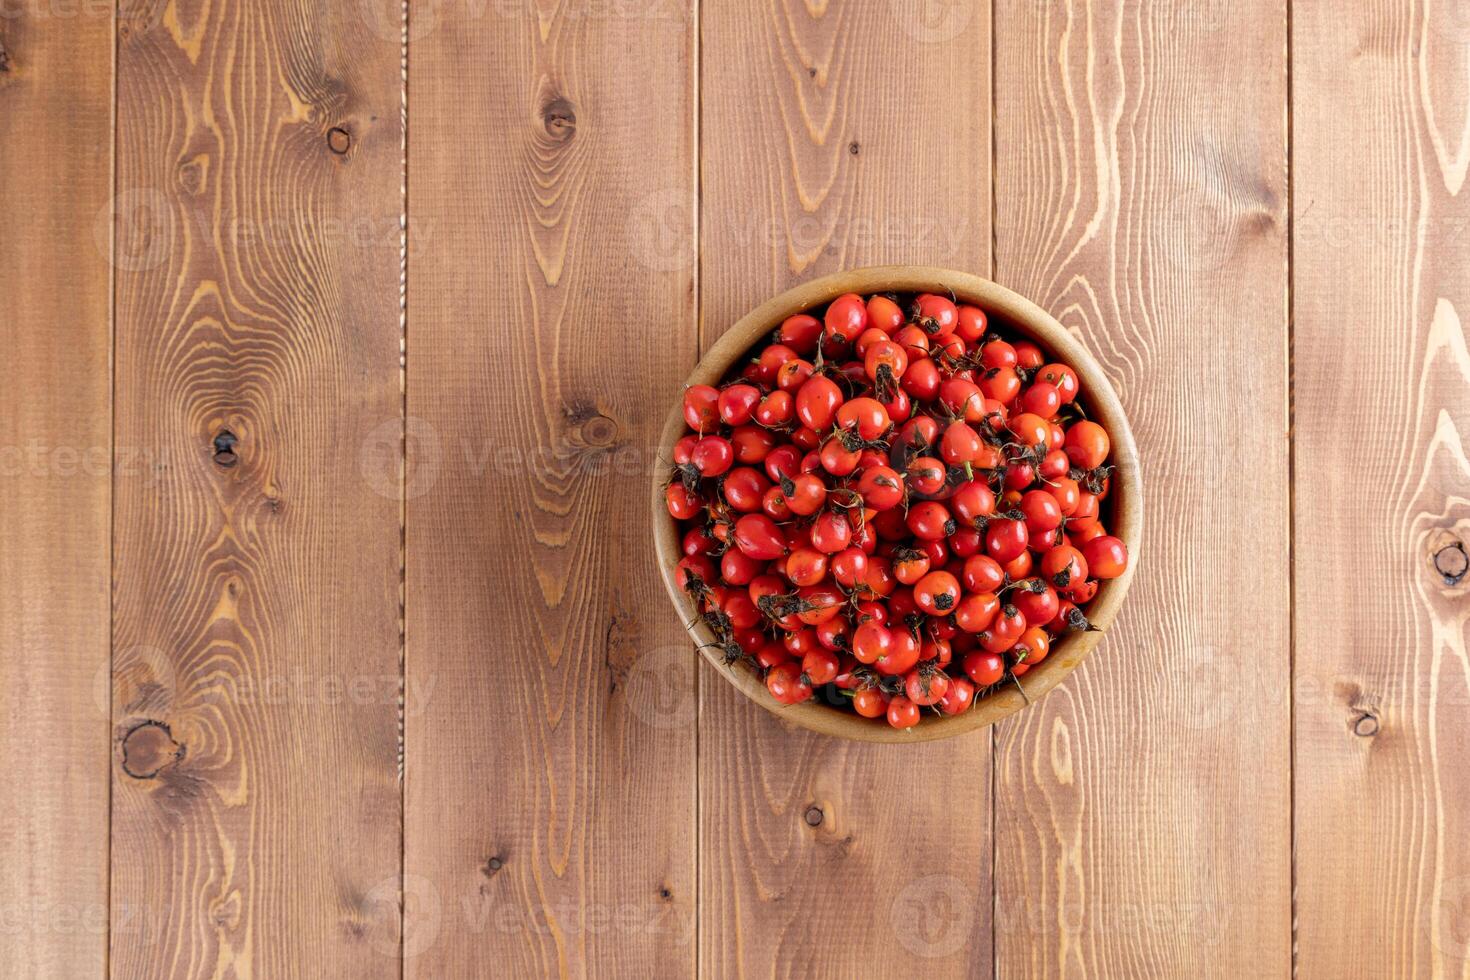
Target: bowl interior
x=1014, y=314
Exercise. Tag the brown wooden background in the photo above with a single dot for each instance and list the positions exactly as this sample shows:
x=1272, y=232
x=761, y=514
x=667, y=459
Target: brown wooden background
x=330, y=639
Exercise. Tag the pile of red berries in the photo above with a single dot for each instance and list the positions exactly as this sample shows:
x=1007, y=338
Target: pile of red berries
x=892, y=507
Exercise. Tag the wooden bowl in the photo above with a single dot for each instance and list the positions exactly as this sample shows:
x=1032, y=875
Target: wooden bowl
x=1011, y=312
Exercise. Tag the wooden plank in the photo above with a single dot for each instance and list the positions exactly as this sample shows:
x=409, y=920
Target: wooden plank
x=1383, y=488
x=1143, y=809
x=837, y=136
x=550, y=791
x=256, y=801
x=55, y=447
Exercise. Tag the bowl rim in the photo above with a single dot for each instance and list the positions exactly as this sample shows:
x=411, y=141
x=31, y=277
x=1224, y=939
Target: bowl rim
x=1019, y=315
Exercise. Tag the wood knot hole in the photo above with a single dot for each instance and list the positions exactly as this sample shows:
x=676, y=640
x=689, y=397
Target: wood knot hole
x=854, y=148
x=191, y=176
x=1451, y=563
x=493, y=865
x=559, y=117
x=1365, y=725
x=600, y=430
x=665, y=893
x=149, y=748
x=339, y=140
x=591, y=426
x=224, y=448
x=813, y=816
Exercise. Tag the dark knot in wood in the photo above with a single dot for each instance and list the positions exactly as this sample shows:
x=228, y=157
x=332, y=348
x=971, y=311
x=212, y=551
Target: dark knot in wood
x=1451, y=563
x=148, y=748
x=224, y=448
x=591, y=426
x=559, y=117
x=191, y=176
x=600, y=430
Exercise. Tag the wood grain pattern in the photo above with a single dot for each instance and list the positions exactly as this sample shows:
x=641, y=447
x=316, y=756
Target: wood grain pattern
x=838, y=135
x=1143, y=809
x=55, y=446
x=592, y=200
x=550, y=793
x=256, y=820
x=1383, y=514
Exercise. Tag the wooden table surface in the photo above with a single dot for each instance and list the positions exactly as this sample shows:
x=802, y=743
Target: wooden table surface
x=335, y=348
